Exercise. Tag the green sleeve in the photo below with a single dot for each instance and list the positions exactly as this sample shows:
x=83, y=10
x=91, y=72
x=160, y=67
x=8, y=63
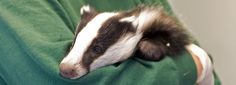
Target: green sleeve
x=35, y=36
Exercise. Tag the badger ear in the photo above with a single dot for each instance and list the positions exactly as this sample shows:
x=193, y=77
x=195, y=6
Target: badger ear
x=87, y=13
x=86, y=10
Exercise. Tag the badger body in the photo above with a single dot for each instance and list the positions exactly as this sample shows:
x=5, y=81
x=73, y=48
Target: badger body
x=104, y=38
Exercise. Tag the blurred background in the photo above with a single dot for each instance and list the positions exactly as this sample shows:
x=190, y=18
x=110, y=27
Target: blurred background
x=213, y=23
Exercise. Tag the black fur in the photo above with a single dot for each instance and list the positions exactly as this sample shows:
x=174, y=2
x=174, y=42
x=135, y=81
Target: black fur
x=108, y=34
x=165, y=36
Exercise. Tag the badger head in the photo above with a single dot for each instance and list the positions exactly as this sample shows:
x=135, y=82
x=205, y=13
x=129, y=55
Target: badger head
x=104, y=38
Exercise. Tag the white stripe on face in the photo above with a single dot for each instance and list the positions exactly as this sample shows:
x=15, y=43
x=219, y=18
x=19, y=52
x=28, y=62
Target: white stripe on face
x=126, y=45
x=120, y=51
x=85, y=38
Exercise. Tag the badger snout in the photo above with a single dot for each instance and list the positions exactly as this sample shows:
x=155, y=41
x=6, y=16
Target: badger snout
x=72, y=71
x=68, y=70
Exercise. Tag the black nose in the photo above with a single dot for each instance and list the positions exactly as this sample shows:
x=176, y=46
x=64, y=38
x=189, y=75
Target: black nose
x=68, y=70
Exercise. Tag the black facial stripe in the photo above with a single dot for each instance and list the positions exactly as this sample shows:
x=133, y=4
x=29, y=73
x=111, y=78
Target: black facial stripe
x=110, y=32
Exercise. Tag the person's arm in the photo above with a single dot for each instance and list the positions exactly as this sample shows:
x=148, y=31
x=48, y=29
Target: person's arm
x=203, y=64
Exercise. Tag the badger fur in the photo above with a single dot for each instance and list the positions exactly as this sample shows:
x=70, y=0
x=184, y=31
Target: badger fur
x=104, y=38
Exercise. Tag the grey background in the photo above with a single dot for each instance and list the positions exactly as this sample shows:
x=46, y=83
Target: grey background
x=213, y=23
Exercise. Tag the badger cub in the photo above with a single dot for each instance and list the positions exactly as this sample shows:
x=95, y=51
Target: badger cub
x=104, y=38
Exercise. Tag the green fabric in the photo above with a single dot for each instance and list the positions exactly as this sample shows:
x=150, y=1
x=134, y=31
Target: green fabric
x=35, y=36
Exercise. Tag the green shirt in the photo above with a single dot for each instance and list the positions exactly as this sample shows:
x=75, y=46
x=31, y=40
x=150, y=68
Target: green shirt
x=35, y=36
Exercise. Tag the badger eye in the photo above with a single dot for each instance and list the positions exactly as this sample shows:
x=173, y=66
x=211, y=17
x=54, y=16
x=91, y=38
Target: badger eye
x=97, y=49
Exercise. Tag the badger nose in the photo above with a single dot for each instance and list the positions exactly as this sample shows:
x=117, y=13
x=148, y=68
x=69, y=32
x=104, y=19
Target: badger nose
x=68, y=70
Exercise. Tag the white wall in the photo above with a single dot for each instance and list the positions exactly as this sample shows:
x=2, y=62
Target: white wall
x=213, y=22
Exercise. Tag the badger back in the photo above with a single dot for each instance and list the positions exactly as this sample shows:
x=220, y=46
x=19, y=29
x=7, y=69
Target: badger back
x=104, y=38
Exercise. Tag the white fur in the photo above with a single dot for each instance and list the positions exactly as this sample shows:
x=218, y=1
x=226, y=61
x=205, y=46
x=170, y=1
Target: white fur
x=85, y=37
x=85, y=8
x=117, y=52
x=128, y=19
x=121, y=50
x=125, y=45
x=144, y=19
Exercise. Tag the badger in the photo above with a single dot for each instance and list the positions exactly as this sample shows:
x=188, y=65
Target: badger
x=105, y=38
